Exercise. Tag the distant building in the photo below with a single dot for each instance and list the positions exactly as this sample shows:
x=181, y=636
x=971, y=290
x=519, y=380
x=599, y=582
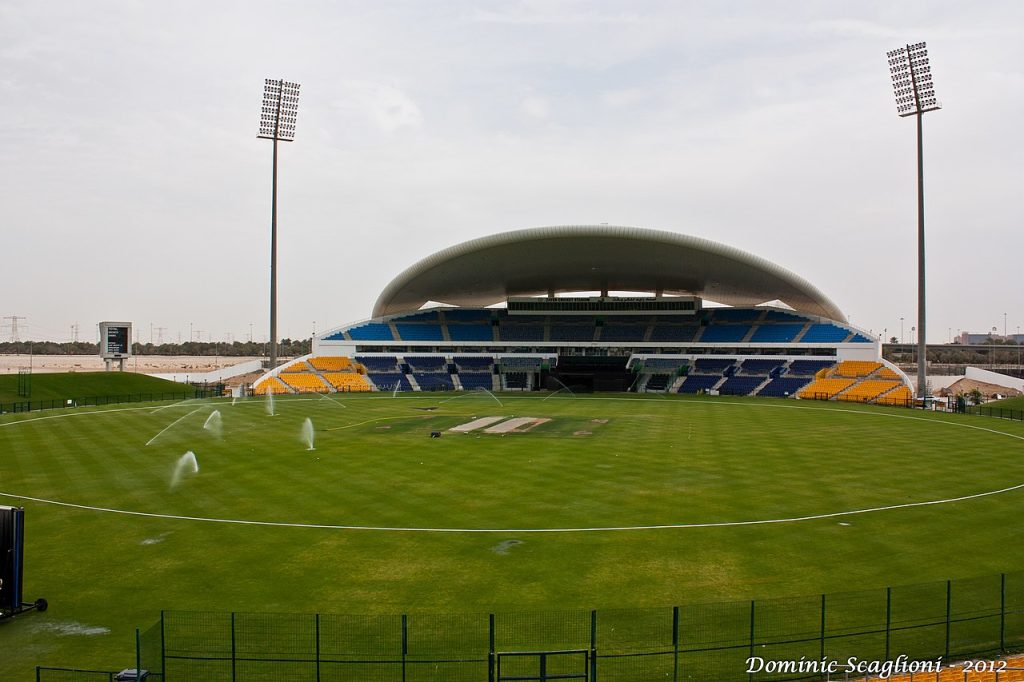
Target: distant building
x=969, y=339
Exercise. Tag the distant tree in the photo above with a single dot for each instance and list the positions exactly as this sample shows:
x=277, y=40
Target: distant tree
x=975, y=396
x=893, y=339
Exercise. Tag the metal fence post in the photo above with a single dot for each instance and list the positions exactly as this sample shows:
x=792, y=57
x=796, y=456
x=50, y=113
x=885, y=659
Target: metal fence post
x=318, y=647
x=949, y=605
x=405, y=642
x=888, y=620
x=163, y=648
x=233, y=649
x=751, y=675
x=490, y=645
x=593, y=646
x=1002, y=613
x=822, y=655
x=675, y=644
x=138, y=652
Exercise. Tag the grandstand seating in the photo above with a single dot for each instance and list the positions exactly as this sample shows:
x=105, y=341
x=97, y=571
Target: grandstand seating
x=809, y=367
x=470, y=332
x=524, y=364
x=741, y=385
x=574, y=332
x=347, y=381
x=783, y=316
x=474, y=364
x=421, y=363
x=521, y=332
x=381, y=363
x=433, y=381
x=763, y=367
x=327, y=363
x=673, y=332
x=696, y=383
x=900, y=396
x=372, y=331
x=672, y=365
x=305, y=382
x=775, y=333
x=886, y=373
x=419, y=332
x=866, y=391
x=859, y=338
x=825, y=388
x=619, y=332
x=855, y=369
x=387, y=381
x=725, y=333
x=273, y=386
x=713, y=365
x=824, y=333
x=784, y=386
x=471, y=381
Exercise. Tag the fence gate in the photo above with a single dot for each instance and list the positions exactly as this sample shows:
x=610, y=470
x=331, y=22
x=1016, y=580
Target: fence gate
x=541, y=666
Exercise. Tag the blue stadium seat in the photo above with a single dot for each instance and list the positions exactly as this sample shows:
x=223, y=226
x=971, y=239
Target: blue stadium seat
x=696, y=383
x=471, y=381
x=776, y=333
x=521, y=332
x=664, y=332
x=419, y=332
x=784, y=386
x=433, y=382
x=725, y=333
x=470, y=332
x=740, y=385
x=824, y=333
x=620, y=332
x=373, y=331
x=574, y=332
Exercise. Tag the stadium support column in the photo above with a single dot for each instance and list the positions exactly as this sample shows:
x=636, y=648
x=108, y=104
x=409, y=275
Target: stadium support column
x=915, y=95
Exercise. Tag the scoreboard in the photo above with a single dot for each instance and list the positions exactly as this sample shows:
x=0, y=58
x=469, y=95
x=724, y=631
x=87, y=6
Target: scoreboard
x=115, y=340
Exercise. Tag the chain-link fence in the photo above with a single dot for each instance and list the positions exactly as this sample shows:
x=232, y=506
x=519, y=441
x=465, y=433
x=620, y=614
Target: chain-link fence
x=716, y=642
x=96, y=400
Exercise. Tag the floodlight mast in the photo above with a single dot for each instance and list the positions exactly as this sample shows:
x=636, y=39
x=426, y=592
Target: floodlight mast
x=915, y=95
x=277, y=123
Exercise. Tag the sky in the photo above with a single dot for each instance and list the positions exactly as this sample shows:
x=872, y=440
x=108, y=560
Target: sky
x=133, y=186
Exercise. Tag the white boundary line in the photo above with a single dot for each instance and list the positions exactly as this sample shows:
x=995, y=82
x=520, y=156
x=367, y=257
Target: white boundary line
x=402, y=529
x=172, y=424
x=673, y=526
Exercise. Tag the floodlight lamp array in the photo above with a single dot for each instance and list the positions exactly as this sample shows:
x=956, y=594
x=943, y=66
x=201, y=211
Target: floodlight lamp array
x=912, y=80
x=280, y=109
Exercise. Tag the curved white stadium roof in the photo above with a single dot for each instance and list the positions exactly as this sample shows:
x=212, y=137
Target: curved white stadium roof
x=569, y=258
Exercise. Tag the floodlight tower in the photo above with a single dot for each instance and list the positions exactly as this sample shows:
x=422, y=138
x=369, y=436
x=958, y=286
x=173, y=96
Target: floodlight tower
x=277, y=123
x=915, y=95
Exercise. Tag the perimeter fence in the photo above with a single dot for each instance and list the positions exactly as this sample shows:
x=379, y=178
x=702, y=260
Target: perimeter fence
x=717, y=642
x=98, y=400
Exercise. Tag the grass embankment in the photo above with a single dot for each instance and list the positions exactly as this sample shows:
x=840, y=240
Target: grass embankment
x=62, y=386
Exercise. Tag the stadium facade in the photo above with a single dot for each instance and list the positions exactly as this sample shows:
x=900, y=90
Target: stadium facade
x=602, y=308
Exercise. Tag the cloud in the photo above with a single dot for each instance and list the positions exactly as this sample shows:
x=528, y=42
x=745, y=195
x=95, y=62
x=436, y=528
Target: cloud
x=386, y=107
x=534, y=107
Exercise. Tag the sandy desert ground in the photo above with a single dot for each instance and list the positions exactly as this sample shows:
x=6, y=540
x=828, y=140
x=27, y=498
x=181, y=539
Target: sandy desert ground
x=146, y=364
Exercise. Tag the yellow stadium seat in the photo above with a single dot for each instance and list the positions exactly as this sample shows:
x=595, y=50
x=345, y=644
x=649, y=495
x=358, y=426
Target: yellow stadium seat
x=824, y=388
x=347, y=381
x=271, y=386
x=327, y=363
x=855, y=369
x=304, y=382
x=900, y=396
